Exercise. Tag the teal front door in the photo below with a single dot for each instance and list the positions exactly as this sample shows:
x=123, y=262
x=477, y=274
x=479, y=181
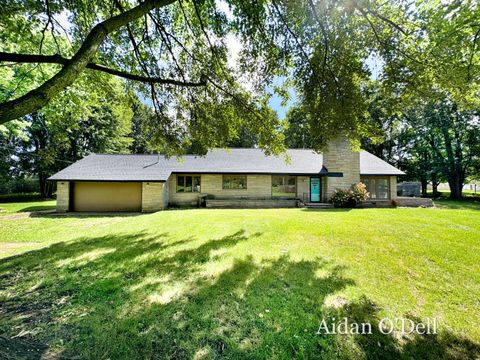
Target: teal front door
x=315, y=189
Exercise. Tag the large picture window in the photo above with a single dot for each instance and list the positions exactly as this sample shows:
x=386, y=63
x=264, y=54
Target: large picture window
x=234, y=182
x=377, y=187
x=284, y=186
x=188, y=183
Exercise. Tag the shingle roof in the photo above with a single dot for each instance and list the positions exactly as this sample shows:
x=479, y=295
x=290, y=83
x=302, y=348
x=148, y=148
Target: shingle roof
x=373, y=165
x=98, y=167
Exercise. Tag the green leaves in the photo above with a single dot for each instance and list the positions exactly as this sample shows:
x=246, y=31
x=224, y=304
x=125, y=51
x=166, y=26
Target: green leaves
x=429, y=50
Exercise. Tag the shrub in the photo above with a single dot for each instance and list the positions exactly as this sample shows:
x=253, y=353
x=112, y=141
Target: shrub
x=349, y=198
x=19, y=185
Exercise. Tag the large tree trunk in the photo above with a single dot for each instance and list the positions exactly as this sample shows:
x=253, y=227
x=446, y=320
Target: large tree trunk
x=46, y=187
x=456, y=186
x=434, y=184
x=424, y=182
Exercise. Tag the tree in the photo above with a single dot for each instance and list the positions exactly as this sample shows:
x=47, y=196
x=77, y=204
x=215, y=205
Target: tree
x=244, y=139
x=329, y=44
x=142, y=115
x=454, y=139
x=422, y=164
x=297, y=129
x=95, y=119
x=176, y=53
x=433, y=142
x=173, y=53
x=10, y=135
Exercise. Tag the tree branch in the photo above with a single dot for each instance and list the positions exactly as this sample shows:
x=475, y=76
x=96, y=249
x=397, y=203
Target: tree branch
x=472, y=54
x=387, y=20
x=326, y=65
x=379, y=16
x=297, y=41
x=39, y=97
x=58, y=59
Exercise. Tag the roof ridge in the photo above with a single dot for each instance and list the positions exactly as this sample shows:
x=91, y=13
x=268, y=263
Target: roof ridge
x=125, y=154
x=243, y=148
x=229, y=148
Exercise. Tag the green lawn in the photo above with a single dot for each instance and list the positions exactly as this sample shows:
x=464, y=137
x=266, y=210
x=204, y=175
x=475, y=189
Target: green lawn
x=466, y=193
x=26, y=206
x=239, y=283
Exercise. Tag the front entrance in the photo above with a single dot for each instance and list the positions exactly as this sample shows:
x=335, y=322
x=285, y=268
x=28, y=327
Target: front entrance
x=315, y=189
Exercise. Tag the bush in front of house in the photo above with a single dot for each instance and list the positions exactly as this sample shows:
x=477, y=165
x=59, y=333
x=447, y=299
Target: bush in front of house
x=349, y=198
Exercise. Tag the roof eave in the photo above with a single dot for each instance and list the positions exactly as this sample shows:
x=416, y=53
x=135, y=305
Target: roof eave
x=108, y=180
x=383, y=174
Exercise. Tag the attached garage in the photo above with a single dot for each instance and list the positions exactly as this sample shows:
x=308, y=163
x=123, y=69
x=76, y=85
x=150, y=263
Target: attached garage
x=106, y=196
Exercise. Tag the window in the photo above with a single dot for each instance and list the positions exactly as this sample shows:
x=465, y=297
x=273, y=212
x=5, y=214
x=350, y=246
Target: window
x=382, y=188
x=188, y=183
x=284, y=186
x=234, y=182
x=377, y=187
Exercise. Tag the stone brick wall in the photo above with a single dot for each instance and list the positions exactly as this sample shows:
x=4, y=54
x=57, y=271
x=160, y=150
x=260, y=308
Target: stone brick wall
x=393, y=187
x=166, y=194
x=303, y=187
x=339, y=157
x=251, y=203
x=63, y=196
x=414, y=202
x=153, y=196
x=258, y=186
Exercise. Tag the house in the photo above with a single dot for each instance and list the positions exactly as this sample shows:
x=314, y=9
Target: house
x=228, y=178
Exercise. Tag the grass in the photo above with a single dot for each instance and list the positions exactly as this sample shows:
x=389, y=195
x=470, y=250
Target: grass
x=239, y=283
x=457, y=204
x=466, y=193
x=8, y=208
x=469, y=201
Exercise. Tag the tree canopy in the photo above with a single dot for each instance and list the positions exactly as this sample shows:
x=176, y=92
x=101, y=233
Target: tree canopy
x=176, y=54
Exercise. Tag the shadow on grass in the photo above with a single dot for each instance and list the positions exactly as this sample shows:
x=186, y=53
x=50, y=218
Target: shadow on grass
x=37, y=208
x=84, y=215
x=465, y=204
x=143, y=296
x=28, y=206
x=326, y=209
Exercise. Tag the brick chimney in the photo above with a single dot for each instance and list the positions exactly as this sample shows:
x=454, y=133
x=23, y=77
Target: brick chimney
x=339, y=157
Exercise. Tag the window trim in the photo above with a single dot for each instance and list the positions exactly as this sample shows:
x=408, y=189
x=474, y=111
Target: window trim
x=238, y=175
x=184, y=176
x=284, y=175
x=376, y=177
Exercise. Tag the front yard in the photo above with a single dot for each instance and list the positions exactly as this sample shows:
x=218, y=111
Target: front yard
x=238, y=283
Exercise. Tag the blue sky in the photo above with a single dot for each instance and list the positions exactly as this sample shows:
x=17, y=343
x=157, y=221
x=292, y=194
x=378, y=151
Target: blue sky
x=276, y=101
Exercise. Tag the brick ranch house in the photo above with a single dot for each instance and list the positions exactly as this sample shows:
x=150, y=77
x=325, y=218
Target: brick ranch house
x=222, y=178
